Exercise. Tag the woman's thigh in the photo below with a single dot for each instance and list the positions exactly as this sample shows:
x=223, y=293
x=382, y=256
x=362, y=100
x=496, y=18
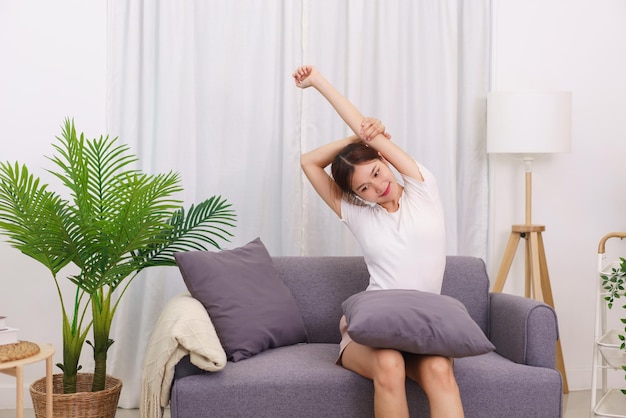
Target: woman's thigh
x=368, y=361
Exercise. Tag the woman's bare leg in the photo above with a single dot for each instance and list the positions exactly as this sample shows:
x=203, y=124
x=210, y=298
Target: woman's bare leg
x=386, y=368
x=436, y=377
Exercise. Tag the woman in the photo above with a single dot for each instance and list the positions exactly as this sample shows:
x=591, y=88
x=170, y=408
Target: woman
x=400, y=229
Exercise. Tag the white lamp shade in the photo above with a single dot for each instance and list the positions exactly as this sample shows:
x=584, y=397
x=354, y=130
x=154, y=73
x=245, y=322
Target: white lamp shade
x=529, y=122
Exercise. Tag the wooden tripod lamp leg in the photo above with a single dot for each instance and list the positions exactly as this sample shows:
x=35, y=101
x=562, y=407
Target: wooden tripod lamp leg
x=535, y=266
x=528, y=268
x=545, y=277
x=507, y=260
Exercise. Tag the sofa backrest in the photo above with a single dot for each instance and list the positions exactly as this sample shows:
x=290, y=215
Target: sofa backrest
x=321, y=284
x=466, y=279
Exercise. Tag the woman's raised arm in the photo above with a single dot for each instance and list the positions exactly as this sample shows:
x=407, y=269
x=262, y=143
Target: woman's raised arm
x=314, y=163
x=308, y=76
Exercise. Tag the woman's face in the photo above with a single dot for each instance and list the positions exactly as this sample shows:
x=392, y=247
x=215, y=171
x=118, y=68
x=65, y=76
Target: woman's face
x=375, y=182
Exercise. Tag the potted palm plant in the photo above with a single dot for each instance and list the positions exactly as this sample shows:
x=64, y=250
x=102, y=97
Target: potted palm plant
x=115, y=222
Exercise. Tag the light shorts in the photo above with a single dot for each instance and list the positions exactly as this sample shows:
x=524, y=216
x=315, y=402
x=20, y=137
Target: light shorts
x=345, y=338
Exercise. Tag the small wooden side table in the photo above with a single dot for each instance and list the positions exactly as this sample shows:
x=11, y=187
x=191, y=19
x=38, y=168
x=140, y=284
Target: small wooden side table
x=15, y=369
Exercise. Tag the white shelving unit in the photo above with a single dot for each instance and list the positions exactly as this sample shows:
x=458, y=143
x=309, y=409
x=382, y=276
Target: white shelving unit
x=607, y=355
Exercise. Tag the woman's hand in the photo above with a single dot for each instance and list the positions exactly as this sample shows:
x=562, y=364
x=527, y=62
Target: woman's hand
x=371, y=127
x=305, y=76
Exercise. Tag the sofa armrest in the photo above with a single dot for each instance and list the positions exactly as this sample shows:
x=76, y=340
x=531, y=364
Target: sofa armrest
x=523, y=330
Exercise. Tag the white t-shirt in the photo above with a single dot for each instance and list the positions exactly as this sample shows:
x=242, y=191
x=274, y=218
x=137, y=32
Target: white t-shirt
x=404, y=249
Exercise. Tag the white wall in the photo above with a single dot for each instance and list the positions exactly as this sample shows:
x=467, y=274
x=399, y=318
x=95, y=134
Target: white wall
x=54, y=66
x=575, y=45
x=53, y=56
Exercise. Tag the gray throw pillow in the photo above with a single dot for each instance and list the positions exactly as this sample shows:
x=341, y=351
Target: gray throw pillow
x=250, y=306
x=415, y=322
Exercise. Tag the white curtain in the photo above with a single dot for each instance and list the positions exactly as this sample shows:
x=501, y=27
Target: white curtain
x=204, y=88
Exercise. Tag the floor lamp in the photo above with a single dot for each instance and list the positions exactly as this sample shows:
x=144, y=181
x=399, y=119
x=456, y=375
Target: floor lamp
x=527, y=124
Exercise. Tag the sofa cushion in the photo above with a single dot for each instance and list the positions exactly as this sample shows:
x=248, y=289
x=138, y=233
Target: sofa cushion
x=250, y=306
x=311, y=385
x=300, y=381
x=415, y=322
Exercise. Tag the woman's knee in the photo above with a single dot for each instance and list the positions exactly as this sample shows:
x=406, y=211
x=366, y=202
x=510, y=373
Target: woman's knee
x=437, y=370
x=390, y=368
x=437, y=365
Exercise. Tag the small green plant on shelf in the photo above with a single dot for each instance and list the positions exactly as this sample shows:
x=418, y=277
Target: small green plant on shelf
x=614, y=284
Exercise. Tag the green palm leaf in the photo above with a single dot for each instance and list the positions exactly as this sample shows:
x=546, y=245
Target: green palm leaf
x=191, y=230
x=33, y=218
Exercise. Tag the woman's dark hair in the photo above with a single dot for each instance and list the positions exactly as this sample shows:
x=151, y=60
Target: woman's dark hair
x=342, y=167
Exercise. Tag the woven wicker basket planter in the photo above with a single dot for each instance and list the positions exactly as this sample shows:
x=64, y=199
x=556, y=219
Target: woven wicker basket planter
x=83, y=403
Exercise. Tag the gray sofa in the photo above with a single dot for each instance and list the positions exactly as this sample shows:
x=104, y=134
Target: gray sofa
x=519, y=379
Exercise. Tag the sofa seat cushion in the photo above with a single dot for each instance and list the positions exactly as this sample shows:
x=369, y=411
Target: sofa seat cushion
x=305, y=378
x=275, y=383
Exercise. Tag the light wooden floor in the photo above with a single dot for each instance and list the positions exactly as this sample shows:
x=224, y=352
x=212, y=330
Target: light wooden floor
x=575, y=405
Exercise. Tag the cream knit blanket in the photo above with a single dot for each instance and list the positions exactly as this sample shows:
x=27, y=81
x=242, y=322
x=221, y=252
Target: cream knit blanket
x=184, y=327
